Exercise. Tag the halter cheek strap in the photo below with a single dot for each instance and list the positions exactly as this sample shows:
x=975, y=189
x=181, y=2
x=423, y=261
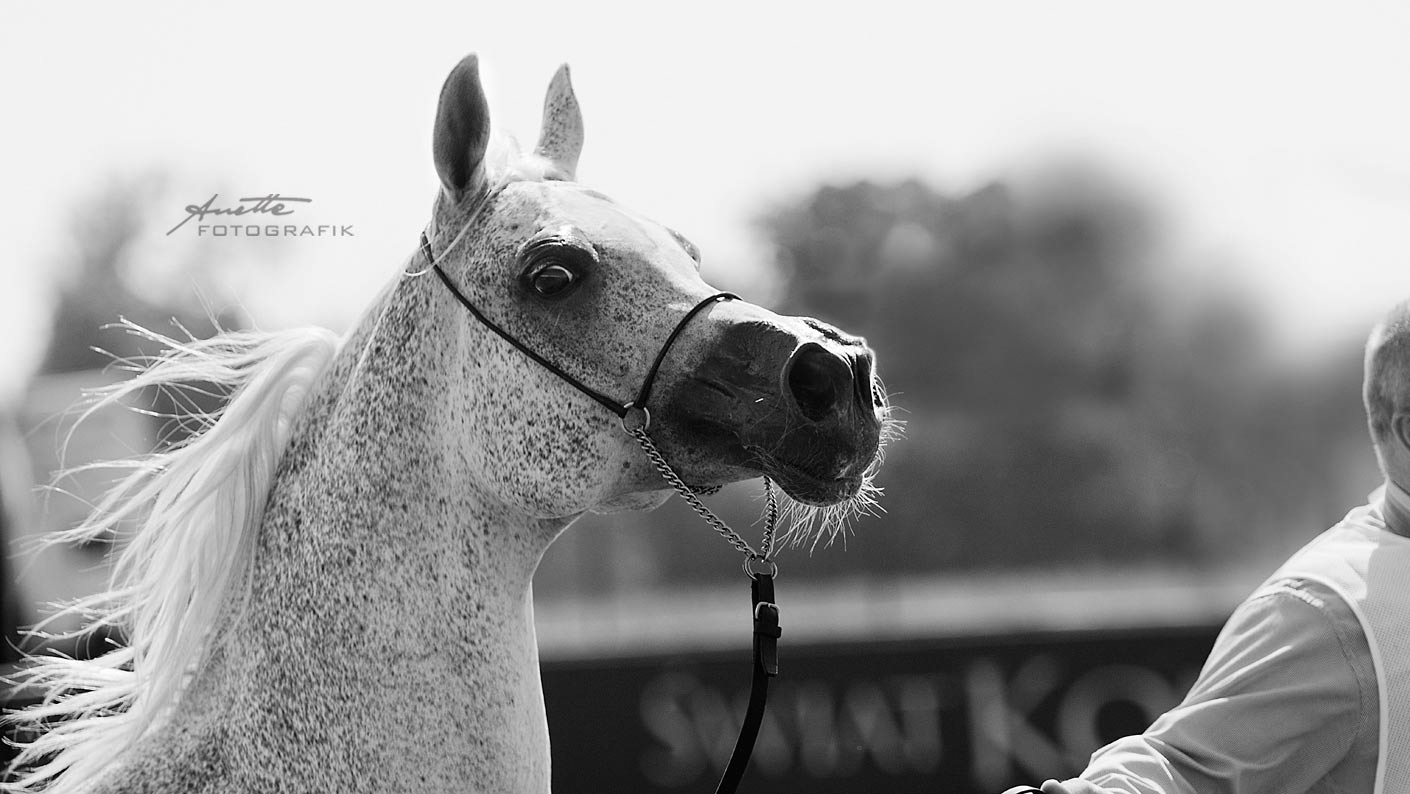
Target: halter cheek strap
x=621, y=409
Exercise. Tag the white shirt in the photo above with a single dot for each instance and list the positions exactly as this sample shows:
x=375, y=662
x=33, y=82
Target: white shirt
x=1287, y=701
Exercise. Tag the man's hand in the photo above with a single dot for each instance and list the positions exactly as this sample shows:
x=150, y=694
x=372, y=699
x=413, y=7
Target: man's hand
x=1074, y=786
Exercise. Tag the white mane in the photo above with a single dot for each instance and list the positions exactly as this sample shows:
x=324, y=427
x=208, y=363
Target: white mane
x=196, y=509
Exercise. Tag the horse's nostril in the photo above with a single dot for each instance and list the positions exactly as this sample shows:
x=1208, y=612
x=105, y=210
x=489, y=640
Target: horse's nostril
x=817, y=380
x=863, y=381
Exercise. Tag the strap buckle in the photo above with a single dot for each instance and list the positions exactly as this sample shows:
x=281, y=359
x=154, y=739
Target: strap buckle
x=766, y=634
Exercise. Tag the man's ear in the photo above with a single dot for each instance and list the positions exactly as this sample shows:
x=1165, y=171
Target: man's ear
x=1400, y=432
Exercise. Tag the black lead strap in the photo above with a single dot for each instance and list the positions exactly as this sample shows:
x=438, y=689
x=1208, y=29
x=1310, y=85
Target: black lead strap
x=766, y=634
x=765, y=611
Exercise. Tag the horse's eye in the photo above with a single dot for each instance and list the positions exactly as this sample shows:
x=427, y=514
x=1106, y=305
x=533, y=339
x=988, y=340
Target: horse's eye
x=553, y=280
x=556, y=264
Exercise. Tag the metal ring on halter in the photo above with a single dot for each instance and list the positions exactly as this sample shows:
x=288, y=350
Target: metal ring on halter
x=641, y=412
x=749, y=561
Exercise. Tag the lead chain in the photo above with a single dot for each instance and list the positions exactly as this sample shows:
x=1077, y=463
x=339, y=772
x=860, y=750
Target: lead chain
x=733, y=538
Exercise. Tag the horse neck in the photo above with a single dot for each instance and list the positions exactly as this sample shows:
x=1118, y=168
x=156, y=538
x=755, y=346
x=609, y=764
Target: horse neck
x=389, y=630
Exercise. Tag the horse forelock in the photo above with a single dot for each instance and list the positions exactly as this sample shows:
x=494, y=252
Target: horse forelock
x=197, y=508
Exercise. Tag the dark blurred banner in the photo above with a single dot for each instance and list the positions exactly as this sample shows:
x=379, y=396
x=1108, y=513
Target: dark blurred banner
x=970, y=715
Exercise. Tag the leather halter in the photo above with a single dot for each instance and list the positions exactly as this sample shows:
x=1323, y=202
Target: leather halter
x=621, y=409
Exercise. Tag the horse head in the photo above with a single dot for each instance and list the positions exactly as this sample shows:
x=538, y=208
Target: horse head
x=596, y=290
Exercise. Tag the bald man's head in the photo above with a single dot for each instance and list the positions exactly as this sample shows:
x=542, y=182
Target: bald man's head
x=1386, y=391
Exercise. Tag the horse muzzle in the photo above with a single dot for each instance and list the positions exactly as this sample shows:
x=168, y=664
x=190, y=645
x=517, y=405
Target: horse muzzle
x=788, y=397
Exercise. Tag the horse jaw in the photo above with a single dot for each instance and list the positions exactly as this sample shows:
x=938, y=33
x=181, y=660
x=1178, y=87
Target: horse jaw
x=629, y=502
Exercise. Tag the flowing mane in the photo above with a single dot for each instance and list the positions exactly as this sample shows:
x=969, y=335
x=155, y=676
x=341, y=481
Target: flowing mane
x=197, y=508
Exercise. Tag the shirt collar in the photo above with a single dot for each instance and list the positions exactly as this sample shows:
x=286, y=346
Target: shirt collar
x=1397, y=509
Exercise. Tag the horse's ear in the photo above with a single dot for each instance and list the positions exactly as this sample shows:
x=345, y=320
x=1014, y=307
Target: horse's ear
x=561, y=138
x=462, y=130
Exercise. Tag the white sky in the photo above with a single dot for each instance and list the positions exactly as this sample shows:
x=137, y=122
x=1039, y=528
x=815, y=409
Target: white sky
x=1276, y=137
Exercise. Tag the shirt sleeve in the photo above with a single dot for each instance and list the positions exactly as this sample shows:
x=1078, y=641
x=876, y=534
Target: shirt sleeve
x=1280, y=701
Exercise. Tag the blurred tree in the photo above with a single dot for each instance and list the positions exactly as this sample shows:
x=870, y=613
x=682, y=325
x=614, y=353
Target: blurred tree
x=1066, y=407
x=1062, y=407
x=104, y=278
x=15, y=612
x=1009, y=324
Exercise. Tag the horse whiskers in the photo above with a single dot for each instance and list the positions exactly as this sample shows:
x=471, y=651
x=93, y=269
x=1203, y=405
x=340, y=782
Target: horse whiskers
x=804, y=524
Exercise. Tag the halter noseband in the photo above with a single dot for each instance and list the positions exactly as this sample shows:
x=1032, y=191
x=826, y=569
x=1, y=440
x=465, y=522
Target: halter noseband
x=622, y=410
